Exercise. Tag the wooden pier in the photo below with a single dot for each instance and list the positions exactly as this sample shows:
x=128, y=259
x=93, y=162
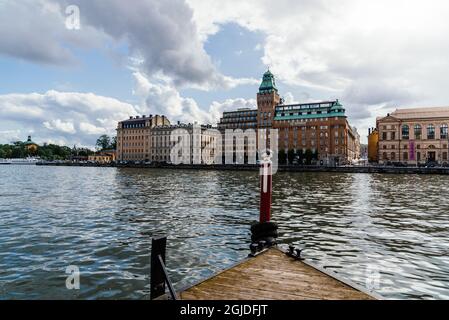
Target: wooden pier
x=267, y=274
x=272, y=275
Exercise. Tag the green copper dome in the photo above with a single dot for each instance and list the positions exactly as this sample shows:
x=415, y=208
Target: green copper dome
x=337, y=106
x=268, y=83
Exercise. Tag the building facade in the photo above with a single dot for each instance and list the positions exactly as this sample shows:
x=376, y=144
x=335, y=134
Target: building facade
x=133, y=137
x=373, y=145
x=197, y=140
x=103, y=157
x=414, y=136
x=240, y=119
x=321, y=127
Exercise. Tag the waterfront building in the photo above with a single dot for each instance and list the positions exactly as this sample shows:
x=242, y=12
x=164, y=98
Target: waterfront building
x=267, y=100
x=321, y=127
x=373, y=145
x=30, y=146
x=244, y=118
x=414, y=136
x=199, y=140
x=103, y=157
x=133, y=137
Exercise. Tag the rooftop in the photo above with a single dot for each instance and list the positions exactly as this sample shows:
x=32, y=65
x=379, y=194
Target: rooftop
x=420, y=113
x=268, y=83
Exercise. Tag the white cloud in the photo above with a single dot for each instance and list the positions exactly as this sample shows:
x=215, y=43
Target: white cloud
x=159, y=97
x=368, y=53
x=85, y=115
x=58, y=125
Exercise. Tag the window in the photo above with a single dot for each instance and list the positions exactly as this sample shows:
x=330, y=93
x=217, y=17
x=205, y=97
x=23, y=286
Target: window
x=393, y=136
x=443, y=131
x=418, y=132
x=430, y=132
x=393, y=156
x=385, y=156
x=405, y=156
x=418, y=156
x=384, y=136
x=405, y=132
x=445, y=156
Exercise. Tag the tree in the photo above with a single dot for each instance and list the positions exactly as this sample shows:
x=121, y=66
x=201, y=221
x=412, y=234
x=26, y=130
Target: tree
x=308, y=156
x=282, y=157
x=300, y=155
x=291, y=156
x=103, y=142
x=113, y=143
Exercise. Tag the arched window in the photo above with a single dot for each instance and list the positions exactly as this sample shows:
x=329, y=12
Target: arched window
x=430, y=132
x=405, y=132
x=418, y=132
x=385, y=156
x=443, y=131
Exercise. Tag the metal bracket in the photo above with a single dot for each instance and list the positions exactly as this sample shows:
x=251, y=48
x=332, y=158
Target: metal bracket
x=294, y=252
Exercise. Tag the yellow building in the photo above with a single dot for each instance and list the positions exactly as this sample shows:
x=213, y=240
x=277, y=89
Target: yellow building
x=103, y=157
x=414, y=136
x=31, y=146
x=373, y=145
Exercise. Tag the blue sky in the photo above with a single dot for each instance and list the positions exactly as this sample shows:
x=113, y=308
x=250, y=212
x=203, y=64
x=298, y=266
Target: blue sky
x=193, y=59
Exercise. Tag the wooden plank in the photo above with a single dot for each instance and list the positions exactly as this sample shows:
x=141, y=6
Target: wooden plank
x=272, y=276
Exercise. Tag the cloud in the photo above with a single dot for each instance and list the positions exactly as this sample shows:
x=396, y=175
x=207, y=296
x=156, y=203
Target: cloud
x=159, y=97
x=58, y=125
x=71, y=117
x=35, y=31
x=367, y=53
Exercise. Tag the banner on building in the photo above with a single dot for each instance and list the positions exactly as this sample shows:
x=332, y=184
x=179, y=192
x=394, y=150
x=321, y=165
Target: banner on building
x=412, y=150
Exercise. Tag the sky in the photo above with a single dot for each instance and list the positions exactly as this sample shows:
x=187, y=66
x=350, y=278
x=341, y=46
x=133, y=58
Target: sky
x=70, y=70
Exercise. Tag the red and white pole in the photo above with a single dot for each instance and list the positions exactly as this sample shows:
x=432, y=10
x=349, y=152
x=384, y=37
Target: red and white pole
x=266, y=176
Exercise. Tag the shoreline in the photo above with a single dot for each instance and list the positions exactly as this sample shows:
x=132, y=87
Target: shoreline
x=281, y=168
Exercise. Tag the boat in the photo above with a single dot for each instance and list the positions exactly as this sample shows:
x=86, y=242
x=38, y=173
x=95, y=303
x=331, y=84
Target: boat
x=4, y=161
x=24, y=161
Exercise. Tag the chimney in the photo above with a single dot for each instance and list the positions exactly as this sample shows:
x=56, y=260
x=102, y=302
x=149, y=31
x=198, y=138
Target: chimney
x=179, y=122
x=130, y=118
x=144, y=116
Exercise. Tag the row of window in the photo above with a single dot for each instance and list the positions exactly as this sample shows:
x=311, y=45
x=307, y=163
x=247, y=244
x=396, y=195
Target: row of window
x=405, y=156
x=417, y=130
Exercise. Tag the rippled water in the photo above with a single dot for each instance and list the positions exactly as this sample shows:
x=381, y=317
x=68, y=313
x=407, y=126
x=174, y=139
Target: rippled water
x=386, y=231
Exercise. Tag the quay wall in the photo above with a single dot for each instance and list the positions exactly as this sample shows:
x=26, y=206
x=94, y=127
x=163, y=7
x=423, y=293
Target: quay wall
x=281, y=168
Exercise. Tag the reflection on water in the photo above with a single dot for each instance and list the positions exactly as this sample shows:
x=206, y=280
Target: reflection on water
x=102, y=220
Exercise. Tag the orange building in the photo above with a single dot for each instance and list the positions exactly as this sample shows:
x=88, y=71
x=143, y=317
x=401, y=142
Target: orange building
x=373, y=145
x=134, y=137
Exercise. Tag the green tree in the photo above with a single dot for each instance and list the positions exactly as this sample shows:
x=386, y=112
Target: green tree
x=113, y=145
x=282, y=157
x=291, y=156
x=308, y=156
x=300, y=155
x=103, y=142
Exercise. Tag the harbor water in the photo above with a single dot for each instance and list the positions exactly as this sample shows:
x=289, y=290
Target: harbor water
x=389, y=233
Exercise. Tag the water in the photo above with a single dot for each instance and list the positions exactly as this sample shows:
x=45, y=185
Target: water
x=387, y=232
